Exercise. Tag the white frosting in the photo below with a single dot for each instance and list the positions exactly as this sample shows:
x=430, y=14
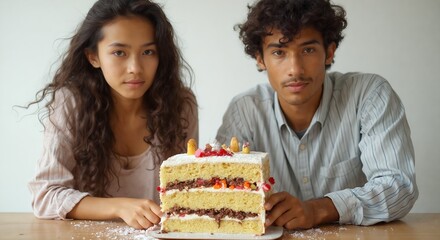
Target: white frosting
x=183, y=158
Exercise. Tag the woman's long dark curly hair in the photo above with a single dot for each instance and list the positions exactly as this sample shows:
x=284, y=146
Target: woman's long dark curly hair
x=290, y=16
x=89, y=124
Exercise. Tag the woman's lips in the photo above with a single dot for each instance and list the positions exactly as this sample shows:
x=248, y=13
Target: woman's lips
x=134, y=83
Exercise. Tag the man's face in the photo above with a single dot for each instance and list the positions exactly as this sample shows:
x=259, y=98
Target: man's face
x=296, y=69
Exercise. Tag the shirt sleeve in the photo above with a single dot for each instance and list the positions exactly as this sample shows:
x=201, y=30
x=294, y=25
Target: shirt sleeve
x=52, y=188
x=387, y=155
x=233, y=125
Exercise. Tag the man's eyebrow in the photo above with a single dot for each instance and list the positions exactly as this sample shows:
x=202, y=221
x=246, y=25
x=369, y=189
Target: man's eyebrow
x=276, y=45
x=118, y=44
x=310, y=42
x=282, y=45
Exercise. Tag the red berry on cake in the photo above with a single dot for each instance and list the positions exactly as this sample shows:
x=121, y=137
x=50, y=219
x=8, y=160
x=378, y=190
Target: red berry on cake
x=272, y=180
x=199, y=153
x=266, y=187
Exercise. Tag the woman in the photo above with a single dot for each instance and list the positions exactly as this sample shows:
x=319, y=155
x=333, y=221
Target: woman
x=117, y=107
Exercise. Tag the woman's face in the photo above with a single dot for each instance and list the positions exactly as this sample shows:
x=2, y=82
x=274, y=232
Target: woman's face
x=127, y=56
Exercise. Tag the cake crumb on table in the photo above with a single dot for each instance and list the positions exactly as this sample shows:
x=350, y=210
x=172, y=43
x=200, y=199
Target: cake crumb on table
x=110, y=230
x=314, y=233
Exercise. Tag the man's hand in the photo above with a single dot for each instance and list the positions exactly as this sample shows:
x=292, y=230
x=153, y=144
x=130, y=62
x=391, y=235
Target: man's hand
x=291, y=213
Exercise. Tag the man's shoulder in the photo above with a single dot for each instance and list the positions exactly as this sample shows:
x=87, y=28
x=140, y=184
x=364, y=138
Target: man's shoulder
x=356, y=80
x=261, y=93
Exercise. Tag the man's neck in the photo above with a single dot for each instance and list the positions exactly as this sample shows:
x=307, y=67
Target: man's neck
x=299, y=117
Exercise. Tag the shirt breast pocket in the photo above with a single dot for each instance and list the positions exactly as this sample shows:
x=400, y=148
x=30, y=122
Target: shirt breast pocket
x=342, y=169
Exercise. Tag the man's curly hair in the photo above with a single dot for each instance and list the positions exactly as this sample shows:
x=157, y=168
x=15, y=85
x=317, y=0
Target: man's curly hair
x=290, y=17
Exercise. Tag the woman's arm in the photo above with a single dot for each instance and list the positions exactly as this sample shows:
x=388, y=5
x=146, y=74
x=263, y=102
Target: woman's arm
x=138, y=213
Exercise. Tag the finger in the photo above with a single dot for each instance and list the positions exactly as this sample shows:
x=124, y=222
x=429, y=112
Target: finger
x=156, y=209
x=277, y=211
x=151, y=216
x=144, y=221
x=295, y=223
x=135, y=224
x=286, y=217
x=274, y=199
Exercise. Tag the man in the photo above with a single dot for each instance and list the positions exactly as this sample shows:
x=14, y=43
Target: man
x=339, y=144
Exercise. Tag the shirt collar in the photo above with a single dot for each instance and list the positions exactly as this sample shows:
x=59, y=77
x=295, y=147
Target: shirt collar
x=279, y=115
x=321, y=112
x=324, y=105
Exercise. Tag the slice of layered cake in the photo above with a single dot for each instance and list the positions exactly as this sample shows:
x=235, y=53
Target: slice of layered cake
x=215, y=190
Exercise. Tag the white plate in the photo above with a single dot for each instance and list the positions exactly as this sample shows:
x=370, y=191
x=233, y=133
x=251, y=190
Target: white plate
x=272, y=232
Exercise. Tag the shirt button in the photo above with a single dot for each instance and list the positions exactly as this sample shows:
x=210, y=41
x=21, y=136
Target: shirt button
x=305, y=179
x=302, y=146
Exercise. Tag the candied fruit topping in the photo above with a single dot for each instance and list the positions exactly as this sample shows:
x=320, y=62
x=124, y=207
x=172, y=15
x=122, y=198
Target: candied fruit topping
x=246, y=149
x=266, y=187
x=234, y=145
x=209, y=151
x=191, y=146
x=215, y=182
x=159, y=189
x=272, y=180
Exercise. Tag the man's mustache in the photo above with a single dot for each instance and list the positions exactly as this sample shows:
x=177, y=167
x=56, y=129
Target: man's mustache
x=297, y=79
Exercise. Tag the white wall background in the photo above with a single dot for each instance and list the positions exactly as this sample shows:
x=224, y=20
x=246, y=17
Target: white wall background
x=398, y=39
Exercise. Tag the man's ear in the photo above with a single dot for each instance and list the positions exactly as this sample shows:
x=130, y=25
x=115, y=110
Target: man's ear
x=260, y=62
x=93, y=58
x=330, y=53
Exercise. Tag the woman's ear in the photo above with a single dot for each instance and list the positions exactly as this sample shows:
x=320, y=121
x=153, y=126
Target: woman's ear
x=93, y=58
x=260, y=62
x=330, y=53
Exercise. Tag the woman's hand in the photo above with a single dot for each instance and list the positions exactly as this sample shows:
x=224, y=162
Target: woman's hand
x=138, y=213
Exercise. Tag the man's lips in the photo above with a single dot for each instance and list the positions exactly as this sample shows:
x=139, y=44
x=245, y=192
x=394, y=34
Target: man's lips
x=296, y=86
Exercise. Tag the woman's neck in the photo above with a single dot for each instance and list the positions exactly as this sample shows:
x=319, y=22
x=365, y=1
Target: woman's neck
x=126, y=109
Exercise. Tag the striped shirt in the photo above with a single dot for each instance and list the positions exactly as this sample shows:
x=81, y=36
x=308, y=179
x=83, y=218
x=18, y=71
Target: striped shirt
x=357, y=149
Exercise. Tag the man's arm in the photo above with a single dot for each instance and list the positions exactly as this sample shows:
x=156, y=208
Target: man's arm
x=387, y=156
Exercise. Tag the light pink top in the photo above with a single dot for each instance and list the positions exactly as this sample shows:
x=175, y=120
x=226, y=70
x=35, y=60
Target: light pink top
x=53, y=195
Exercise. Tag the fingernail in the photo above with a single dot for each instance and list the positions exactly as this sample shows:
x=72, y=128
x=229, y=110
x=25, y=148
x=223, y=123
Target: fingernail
x=267, y=206
x=267, y=222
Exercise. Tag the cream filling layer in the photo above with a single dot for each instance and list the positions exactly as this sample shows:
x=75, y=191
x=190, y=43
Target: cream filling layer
x=188, y=217
x=211, y=189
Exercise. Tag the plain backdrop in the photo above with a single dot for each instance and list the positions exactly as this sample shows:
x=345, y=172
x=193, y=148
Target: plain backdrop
x=398, y=39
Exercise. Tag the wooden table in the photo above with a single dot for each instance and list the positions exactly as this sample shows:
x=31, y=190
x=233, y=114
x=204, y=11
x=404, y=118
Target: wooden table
x=415, y=226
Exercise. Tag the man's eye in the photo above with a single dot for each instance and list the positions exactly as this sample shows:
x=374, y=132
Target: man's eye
x=309, y=50
x=277, y=52
x=119, y=53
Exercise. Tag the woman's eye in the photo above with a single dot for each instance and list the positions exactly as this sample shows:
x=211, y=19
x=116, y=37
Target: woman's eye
x=119, y=53
x=148, y=52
